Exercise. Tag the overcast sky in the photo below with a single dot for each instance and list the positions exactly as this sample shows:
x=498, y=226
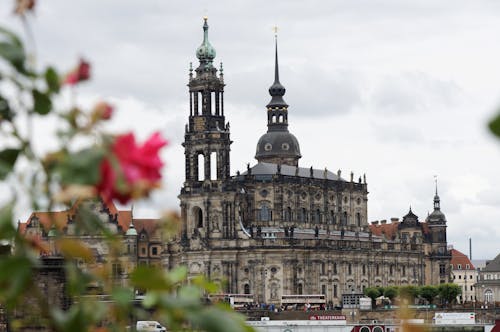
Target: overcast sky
x=399, y=90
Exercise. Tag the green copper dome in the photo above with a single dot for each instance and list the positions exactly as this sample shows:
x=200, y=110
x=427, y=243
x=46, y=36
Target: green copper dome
x=205, y=53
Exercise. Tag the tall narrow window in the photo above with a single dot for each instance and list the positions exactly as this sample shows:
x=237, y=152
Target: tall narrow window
x=317, y=216
x=213, y=166
x=198, y=217
x=358, y=219
x=344, y=218
x=288, y=214
x=323, y=289
x=201, y=167
x=349, y=268
x=334, y=290
x=246, y=289
x=299, y=289
x=334, y=268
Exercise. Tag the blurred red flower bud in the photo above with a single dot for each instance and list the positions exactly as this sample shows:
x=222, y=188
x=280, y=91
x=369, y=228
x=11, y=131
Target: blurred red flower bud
x=22, y=6
x=102, y=111
x=79, y=74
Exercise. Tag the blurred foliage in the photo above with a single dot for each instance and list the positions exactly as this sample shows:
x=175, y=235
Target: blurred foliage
x=75, y=169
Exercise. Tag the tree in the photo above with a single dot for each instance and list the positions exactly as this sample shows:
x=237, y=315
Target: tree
x=449, y=292
x=373, y=293
x=429, y=292
x=391, y=292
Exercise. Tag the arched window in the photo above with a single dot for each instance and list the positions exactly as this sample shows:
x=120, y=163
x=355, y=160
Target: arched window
x=364, y=269
x=332, y=217
x=303, y=215
x=344, y=218
x=288, y=214
x=246, y=289
x=264, y=213
x=358, y=219
x=198, y=217
x=299, y=289
x=349, y=268
x=317, y=216
x=323, y=269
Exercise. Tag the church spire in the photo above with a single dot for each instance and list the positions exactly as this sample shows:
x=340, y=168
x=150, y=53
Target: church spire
x=277, y=90
x=436, y=196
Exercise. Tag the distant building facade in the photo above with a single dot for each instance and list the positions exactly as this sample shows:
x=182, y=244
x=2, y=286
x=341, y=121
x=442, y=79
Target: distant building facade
x=276, y=229
x=488, y=283
x=464, y=274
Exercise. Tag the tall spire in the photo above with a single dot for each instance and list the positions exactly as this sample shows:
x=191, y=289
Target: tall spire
x=277, y=90
x=436, y=196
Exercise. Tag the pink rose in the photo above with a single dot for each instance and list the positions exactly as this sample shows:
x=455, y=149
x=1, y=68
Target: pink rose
x=79, y=74
x=131, y=171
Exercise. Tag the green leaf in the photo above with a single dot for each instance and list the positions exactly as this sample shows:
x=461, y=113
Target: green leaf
x=15, y=275
x=12, y=50
x=7, y=230
x=122, y=296
x=149, y=278
x=495, y=125
x=5, y=111
x=41, y=102
x=82, y=167
x=52, y=80
x=8, y=159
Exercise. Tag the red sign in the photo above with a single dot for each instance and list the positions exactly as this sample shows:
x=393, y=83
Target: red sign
x=327, y=317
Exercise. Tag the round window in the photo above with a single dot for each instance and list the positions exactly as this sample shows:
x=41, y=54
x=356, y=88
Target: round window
x=268, y=147
x=285, y=146
x=273, y=270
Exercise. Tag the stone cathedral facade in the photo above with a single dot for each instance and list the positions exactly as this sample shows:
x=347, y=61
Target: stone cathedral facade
x=281, y=229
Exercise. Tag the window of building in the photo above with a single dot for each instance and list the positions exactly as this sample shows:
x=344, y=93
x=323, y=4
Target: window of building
x=442, y=269
x=358, y=219
x=246, y=289
x=303, y=215
x=198, y=217
x=116, y=270
x=334, y=290
x=154, y=251
x=459, y=266
x=364, y=269
x=488, y=296
x=332, y=217
x=143, y=251
x=459, y=276
x=391, y=269
x=349, y=268
x=404, y=271
x=344, y=218
x=264, y=213
x=471, y=287
x=323, y=269
x=470, y=277
x=323, y=289
x=299, y=289
x=317, y=216
x=288, y=214
x=377, y=270
x=467, y=266
x=334, y=268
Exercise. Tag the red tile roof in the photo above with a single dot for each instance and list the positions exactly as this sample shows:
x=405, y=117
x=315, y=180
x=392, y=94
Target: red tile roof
x=60, y=218
x=389, y=230
x=148, y=225
x=459, y=258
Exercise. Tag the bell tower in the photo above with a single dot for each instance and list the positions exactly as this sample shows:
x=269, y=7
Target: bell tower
x=207, y=142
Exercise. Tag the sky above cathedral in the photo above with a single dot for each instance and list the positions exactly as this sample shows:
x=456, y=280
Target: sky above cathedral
x=399, y=90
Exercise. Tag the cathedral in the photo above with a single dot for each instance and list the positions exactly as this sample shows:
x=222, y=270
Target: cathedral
x=280, y=229
x=274, y=231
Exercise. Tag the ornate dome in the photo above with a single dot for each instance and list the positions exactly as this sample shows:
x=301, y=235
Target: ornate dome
x=277, y=144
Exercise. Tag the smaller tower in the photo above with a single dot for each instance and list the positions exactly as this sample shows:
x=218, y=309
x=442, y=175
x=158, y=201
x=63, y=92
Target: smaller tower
x=440, y=257
x=278, y=145
x=207, y=142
